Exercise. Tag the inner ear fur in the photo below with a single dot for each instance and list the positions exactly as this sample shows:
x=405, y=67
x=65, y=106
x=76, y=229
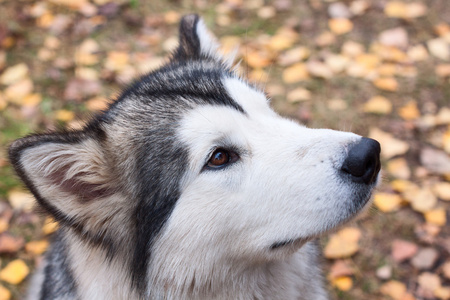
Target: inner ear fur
x=63, y=171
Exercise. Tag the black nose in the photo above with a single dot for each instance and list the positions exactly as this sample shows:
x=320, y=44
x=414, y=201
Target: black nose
x=363, y=161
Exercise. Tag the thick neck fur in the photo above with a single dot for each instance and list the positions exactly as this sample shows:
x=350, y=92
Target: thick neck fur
x=194, y=277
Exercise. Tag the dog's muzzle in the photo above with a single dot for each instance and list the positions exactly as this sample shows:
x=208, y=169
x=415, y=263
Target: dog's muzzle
x=363, y=161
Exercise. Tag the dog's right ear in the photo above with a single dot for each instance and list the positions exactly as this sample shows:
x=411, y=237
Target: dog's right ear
x=65, y=172
x=197, y=42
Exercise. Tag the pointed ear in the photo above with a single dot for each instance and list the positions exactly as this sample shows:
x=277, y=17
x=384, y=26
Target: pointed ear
x=196, y=42
x=65, y=172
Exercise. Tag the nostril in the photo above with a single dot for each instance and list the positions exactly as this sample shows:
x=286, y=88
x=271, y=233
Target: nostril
x=363, y=161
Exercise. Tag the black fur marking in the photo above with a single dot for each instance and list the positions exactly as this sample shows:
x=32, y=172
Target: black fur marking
x=58, y=279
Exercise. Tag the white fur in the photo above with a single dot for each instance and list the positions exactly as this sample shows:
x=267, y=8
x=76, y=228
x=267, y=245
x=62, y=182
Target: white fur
x=285, y=186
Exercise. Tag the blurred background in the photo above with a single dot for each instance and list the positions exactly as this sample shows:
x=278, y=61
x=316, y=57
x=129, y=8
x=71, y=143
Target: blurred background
x=377, y=68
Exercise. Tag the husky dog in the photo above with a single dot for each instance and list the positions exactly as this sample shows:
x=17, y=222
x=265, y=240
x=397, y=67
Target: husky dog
x=190, y=186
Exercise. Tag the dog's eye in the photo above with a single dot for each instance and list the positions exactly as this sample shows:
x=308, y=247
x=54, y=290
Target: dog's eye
x=221, y=158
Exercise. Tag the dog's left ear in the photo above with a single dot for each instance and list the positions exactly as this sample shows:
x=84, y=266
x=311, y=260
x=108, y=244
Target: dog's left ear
x=197, y=42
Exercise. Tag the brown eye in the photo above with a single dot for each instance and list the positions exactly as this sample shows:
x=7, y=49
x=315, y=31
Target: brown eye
x=221, y=158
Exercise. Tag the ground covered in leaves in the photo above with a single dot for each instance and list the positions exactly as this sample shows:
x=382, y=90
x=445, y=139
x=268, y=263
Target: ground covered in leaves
x=378, y=68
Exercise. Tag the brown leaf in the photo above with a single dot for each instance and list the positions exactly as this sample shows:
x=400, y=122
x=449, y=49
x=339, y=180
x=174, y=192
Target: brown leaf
x=394, y=289
x=390, y=146
x=399, y=168
x=436, y=161
x=425, y=258
x=429, y=281
x=397, y=37
x=402, y=250
x=340, y=268
x=340, y=25
x=10, y=244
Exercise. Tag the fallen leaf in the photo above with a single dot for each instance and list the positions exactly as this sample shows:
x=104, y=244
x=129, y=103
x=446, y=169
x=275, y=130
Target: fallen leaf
x=399, y=168
x=325, y=39
x=390, y=146
x=86, y=53
x=339, y=10
x=336, y=62
x=294, y=55
x=384, y=272
x=340, y=268
x=16, y=92
x=442, y=293
x=21, y=200
x=14, y=74
x=257, y=58
x=37, y=247
x=296, y=73
x=402, y=250
x=337, y=104
x=442, y=190
x=436, y=216
x=442, y=70
x=435, y=161
x=340, y=25
x=446, y=269
x=425, y=258
x=429, y=281
x=358, y=7
x=50, y=226
x=409, y=111
x=386, y=83
x=401, y=186
x=298, y=94
x=387, y=202
x=14, y=272
x=394, y=289
x=267, y=12
x=343, y=283
x=172, y=17
x=10, y=244
x=422, y=200
x=418, y=53
x=64, y=115
x=397, y=37
x=97, y=104
x=398, y=9
x=5, y=294
x=439, y=48
x=117, y=60
x=352, y=49
x=343, y=244
x=378, y=105
x=319, y=69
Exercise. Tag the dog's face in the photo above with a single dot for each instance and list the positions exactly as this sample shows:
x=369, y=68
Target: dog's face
x=192, y=162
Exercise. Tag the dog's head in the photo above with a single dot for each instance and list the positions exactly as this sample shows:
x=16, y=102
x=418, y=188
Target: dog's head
x=191, y=161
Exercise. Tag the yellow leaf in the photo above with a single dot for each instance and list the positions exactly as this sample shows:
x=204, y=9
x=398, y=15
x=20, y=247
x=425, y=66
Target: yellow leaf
x=429, y=281
x=21, y=200
x=257, y=59
x=394, y=289
x=387, y=69
x=387, y=202
x=422, y=200
x=32, y=100
x=86, y=54
x=97, y=104
x=5, y=294
x=295, y=73
x=442, y=190
x=343, y=244
x=37, y=247
x=50, y=226
x=386, y=83
x=378, y=105
x=395, y=9
x=442, y=293
x=390, y=146
x=352, y=49
x=319, y=69
x=4, y=224
x=46, y=20
x=14, y=272
x=439, y=48
x=294, y=55
x=343, y=283
x=172, y=17
x=280, y=42
x=418, y=53
x=117, y=60
x=436, y=217
x=398, y=167
x=298, y=94
x=14, y=74
x=86, y=73
x=16, y=92
x=369, y=61
x=409, y=111
x=64, y=115
x=340, y=25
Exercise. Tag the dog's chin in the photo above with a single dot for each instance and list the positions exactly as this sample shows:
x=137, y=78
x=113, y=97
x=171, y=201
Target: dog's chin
x=349, y=216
